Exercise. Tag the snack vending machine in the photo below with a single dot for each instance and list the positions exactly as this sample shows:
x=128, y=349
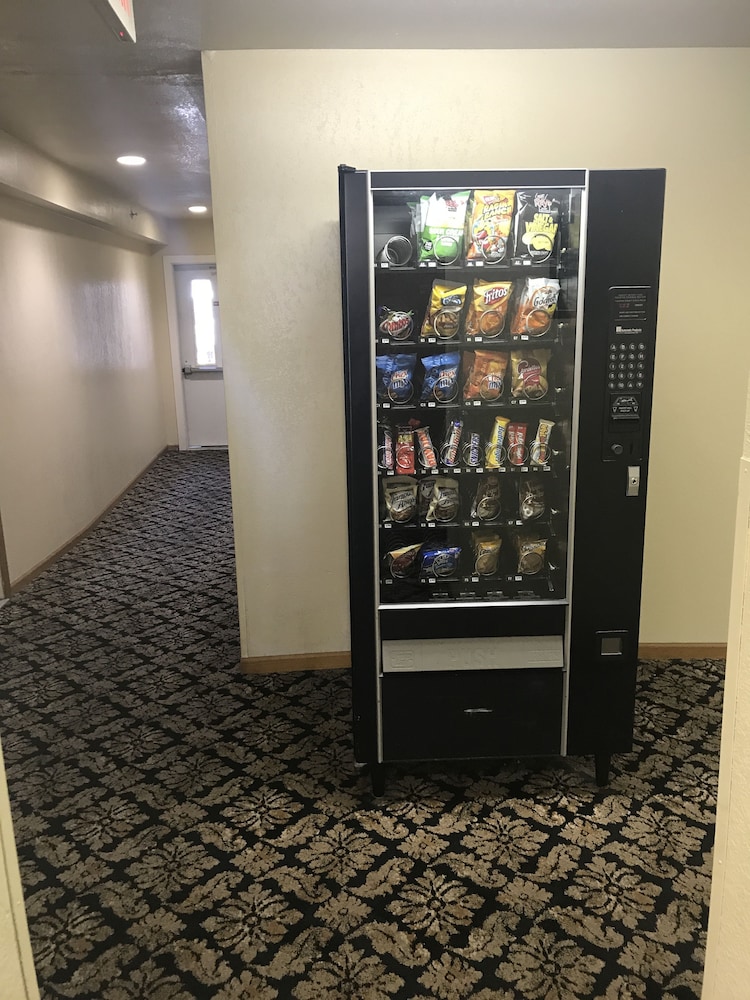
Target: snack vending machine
x=499, y=335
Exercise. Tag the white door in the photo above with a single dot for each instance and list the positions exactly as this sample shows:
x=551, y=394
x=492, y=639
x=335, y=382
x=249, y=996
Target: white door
x=200, y=355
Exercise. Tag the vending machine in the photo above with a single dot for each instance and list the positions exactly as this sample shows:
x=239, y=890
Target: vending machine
x=499, y=336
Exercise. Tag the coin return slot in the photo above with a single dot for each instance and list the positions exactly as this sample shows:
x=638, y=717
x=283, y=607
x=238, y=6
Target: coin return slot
x=611, y=646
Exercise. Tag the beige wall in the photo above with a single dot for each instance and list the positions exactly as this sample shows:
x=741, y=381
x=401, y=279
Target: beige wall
x=279, y=124
x=188, y=237
x=727, y=971
x=81, y=411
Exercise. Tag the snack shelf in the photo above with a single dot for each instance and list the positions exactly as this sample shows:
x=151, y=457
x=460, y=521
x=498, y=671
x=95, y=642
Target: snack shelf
x=471, y=470
x=502, y=587
x=518, y=268
x=550, y=400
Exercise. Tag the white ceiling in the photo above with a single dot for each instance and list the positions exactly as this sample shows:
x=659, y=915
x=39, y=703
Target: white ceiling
x=72, y=90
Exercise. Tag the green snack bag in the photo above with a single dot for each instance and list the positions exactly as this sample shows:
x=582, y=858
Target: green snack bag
x=443, y=234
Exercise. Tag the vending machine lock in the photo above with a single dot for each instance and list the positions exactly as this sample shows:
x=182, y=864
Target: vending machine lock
x=633, y=487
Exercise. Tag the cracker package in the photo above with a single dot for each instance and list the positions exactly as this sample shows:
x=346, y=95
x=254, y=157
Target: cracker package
x=531, y=502
x=488, y=308
x=440, y=560
x=404, y=562
x=487, y=500
x=489, y=228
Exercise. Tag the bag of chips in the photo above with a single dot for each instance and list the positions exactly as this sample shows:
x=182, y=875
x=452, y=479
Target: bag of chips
x=444, y=503
x=531, y=502
x=395, y=323
x=487, y=500
x=443, y=316
x=395, y=377
x=536, y=307
x=486, y=546
x=488, y=308
x=489, y=229
x=441, y=377
x=535, y=226
x=440, y=560
x=400, y=498
x=485, y=378
x=531, y=550
x=529, y=373
x=442, y=236
x=404, y=562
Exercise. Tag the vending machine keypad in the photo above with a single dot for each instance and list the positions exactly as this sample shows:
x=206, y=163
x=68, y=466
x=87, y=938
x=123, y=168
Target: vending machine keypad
x=629, y=336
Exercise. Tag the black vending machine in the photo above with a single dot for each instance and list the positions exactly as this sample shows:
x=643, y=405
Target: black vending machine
x=499, y=335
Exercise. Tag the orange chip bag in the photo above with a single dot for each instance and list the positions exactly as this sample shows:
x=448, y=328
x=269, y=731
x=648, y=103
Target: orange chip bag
x=485, y=377
x=488, y=308
x=489, y=229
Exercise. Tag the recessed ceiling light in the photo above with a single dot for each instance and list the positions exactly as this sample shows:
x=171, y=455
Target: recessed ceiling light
x=198, y=209
x=131, y=160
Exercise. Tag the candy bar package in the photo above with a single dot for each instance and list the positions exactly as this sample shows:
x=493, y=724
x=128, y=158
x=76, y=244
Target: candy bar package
x=405, y=451
x=539, y=449
x=516, y=438
x=496, y=453
x=489, y=226
x=427, y=454
x=472, y=450
x=450, y=455
x=441, y=377
x=443, y=316
x=485, y=374
x=400, y=498
x=395, y=377
x=442, y=235
x=386, y=452
x=536, y=307
x=535, y=225
x=488, y=308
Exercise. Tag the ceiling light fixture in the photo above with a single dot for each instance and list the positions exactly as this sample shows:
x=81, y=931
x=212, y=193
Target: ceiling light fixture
x=198, y=209
x=131, y=160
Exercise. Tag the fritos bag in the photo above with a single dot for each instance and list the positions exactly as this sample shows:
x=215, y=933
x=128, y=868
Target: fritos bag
x=488, y=308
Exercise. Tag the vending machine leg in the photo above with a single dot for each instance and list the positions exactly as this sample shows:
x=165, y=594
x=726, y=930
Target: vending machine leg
x=377, y=777
x=601, y=765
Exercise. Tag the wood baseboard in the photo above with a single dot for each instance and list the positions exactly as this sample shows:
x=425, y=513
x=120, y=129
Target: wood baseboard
x=27, y=578
x=682, y=651
x=295, y=661
x=335, y=661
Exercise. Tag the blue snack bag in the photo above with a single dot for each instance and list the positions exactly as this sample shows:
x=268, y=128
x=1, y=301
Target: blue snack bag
x=441, y=377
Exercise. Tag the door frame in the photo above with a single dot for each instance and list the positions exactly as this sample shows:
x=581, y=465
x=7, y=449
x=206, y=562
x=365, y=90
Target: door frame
x=170, y=262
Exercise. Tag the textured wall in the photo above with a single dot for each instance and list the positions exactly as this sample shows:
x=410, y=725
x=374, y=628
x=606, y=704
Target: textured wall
x=727, y=972
x=281, y=121
x=80, y=400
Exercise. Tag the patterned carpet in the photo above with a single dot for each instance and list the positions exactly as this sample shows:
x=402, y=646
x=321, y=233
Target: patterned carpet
x=187, y=832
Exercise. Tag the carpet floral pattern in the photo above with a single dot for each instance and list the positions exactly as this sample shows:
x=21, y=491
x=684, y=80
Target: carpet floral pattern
x=186, y=832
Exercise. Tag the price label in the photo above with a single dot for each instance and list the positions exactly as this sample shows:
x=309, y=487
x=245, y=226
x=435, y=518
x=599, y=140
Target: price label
x=388, y=582
x=522, y=402
x=480, y=470
x=432, y=404
x=475, y=524
x=387, y=524
x=478, y=338
x=386, y=406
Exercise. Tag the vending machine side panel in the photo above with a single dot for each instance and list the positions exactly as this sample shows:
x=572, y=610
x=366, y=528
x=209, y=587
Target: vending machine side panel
x=356, y=265
x=623, y=249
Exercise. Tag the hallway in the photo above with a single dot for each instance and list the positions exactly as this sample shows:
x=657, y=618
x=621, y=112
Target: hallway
x=186, y=831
